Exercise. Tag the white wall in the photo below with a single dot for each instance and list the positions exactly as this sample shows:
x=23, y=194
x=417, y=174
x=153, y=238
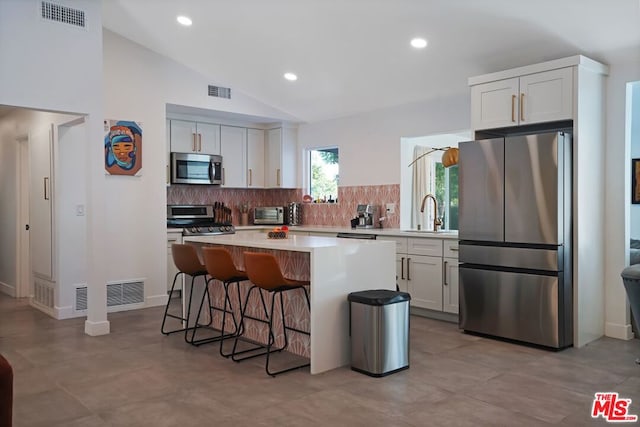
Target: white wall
x=58, y=67
x=634, y=135
x=8, y=202
x=136, y=206
x=617, y=225
x=369, y=143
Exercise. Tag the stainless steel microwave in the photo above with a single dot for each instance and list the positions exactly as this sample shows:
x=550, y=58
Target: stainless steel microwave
x=187, y=168
x=268, y=215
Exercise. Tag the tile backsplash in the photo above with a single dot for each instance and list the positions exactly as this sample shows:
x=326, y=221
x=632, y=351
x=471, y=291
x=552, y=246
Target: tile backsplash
x=336, y=214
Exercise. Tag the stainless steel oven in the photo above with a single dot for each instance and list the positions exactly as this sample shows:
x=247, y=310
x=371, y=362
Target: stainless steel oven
x=187, y=168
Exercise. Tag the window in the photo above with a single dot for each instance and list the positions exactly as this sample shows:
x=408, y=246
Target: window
x=323, y=174
x=446, y=184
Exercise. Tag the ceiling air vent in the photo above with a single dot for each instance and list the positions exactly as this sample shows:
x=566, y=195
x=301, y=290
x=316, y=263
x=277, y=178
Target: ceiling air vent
x=220, y=92
x=64, y=14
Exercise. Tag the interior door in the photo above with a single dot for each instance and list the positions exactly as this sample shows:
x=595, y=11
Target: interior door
x=481, y=177
x=40, y=203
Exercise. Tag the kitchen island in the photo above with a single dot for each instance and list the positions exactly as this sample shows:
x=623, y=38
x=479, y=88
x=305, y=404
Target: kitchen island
x=335, y=268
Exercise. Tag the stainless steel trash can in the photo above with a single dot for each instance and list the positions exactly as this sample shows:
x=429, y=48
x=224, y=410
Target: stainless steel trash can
x=379, y=329
x=631, y=280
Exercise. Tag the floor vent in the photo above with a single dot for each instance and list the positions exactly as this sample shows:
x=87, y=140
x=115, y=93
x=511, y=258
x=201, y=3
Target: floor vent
x=43, y=294
x=118, y=294
x=63, y=14
x=125, y=293
x=220, y=92
x=81, y=298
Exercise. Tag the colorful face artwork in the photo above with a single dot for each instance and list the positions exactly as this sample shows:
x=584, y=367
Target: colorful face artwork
x=122, y=147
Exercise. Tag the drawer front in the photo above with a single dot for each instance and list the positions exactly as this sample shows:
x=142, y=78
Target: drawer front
x=450, y=249
x=401, y=243
x=430, y=247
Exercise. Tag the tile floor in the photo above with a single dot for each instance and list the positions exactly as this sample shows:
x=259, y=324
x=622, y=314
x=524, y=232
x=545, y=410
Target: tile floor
x=137, y=377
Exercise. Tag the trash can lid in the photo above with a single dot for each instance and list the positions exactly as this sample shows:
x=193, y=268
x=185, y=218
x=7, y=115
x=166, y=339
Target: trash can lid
x=379, y=297
x=631, y=272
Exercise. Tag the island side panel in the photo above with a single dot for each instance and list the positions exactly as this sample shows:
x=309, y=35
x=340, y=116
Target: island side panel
x=336, y=272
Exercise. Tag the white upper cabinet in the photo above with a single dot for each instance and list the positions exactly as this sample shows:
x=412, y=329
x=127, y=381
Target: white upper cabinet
x=233, y=145
x=533, y=98
x=281, y=164
x=195, y=137
x=255, y=158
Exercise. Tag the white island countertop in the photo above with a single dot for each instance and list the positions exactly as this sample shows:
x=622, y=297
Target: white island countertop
x=259, y=239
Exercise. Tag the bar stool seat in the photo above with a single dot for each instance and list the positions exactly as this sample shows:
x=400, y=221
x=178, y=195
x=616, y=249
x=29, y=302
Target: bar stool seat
x=265, y=275
x=220, y=266
x=186, y=260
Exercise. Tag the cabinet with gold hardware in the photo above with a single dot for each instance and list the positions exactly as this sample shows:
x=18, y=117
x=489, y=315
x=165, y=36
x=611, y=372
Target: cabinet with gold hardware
x=280, y=158
x=255, y=158
x=233, y=148
x=194, y=137
x=539, y=97
x=450, y=284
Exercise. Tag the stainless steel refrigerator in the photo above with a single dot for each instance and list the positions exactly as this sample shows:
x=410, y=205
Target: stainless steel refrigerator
x=515, y=238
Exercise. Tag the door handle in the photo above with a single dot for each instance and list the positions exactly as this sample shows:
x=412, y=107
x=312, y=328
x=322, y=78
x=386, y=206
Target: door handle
x=278, y=177
x=46, y=185
x=408, y=269
x=402, y=268
x=445, y=273
x=513, y=108
x=522, y=107
x=199, y=142
x=193, y=142
x=223, y=175
x=250, y=177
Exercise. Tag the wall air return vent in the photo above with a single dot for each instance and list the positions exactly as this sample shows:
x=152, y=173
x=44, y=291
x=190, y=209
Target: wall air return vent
x=118, y=295
x=81, y=298
x=66, y=15
x=220, y=92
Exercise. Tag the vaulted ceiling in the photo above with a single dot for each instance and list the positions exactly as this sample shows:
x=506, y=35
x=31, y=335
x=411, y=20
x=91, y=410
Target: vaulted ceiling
x=353, y=56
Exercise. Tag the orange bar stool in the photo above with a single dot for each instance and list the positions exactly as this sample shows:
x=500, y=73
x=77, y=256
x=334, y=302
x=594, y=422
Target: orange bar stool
x=186, y=260
x=265, y=274
x=220, y=266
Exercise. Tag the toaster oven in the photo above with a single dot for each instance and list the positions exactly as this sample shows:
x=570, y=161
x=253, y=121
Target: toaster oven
x=272, y=215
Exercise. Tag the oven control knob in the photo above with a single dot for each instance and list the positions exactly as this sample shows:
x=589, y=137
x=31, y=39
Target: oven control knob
x=211, y=229
x=227, y=228
x=195, y=229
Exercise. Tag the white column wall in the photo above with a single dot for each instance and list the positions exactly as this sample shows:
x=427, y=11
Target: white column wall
x=618, y=197
x=57, y=67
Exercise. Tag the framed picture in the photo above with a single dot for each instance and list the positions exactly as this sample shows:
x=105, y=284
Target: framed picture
x=122, y=147
x=635, y=181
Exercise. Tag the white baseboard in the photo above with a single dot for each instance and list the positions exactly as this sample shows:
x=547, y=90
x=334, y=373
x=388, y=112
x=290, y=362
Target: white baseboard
x=7, y=289
x=156, y=300
x=621, y=332
x=67, y=313
x=96, y=328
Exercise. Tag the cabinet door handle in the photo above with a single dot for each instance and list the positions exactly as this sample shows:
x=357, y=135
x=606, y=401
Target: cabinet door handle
x=522, y=107
x=445, y=273
x=193, y=142
x=199, y=142
x=250, y=177
x=408, y=269
x=46, y=185
x=513, y=108
x=278, y=177
x=454, y=249
x=223, y=176
x=402, y=268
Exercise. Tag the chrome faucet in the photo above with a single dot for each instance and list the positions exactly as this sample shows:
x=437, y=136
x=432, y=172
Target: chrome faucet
x=436, y=221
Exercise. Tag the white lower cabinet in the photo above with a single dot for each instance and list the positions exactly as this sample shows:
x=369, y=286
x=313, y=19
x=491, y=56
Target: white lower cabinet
x=427, y=268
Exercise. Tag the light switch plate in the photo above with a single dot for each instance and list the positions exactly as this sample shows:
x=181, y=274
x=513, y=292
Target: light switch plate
x=391, y=208
x=79, y=210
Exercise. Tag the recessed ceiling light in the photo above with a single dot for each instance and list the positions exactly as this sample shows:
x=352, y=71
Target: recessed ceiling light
x=418, y=43
x=290, y=76
x=184, y=20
